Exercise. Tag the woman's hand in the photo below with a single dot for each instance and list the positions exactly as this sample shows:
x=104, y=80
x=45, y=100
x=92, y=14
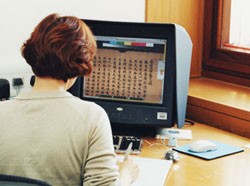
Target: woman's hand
x=128, y=171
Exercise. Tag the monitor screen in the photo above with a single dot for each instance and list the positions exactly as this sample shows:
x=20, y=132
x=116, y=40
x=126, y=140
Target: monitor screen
x=127, y=69
x=133, y=74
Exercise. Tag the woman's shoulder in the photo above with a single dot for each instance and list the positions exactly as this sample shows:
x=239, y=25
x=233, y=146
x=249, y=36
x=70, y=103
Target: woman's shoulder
x=90, y=105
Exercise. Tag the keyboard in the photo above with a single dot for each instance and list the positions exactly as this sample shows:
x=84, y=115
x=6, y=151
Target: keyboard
x=121, y=144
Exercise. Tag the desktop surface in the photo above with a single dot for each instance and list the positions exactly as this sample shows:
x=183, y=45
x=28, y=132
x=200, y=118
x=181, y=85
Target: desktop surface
x=232, y=170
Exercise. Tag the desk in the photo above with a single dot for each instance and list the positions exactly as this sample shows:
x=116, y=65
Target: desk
x=232, y=170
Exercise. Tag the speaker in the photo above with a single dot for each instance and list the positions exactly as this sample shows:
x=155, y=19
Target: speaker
x=4, y=89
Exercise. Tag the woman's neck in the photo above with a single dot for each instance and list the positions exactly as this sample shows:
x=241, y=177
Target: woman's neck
x=49, y=84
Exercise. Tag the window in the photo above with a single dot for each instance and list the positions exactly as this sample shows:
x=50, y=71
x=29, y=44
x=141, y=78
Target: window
x=235, y=31
x=225, y=57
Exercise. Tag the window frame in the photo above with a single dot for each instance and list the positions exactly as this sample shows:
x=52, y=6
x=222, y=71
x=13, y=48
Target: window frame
x=219, y=63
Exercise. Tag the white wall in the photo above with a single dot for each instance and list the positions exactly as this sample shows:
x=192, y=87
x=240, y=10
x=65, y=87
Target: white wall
x=19, y=17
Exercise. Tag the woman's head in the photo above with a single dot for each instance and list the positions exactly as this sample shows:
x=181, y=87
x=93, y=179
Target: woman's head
x=60, y=48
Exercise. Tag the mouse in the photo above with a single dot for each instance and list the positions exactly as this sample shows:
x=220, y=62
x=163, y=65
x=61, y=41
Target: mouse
x=203, y=146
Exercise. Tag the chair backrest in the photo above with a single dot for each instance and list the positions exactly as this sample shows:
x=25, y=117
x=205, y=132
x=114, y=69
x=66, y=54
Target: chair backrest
x=10, y=180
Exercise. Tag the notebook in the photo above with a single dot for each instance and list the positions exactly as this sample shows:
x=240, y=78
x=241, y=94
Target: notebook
x=151, y=171
x=222, y=150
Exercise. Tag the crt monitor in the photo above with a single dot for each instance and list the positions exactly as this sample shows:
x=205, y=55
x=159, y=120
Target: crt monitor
x=134, y=75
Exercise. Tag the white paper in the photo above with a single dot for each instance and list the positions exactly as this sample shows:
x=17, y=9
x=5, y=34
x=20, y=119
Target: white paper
x=152, y=172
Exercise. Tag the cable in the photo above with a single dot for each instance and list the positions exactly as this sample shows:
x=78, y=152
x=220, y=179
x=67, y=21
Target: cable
x=189, y=122
x=153, y=145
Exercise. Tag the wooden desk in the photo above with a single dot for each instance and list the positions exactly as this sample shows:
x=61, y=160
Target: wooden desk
x=232, y=170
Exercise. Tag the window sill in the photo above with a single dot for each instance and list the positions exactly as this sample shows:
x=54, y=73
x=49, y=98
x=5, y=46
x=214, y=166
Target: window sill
x=220, y=104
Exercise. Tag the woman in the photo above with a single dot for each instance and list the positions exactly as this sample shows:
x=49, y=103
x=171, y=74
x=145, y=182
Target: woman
x=50, y=135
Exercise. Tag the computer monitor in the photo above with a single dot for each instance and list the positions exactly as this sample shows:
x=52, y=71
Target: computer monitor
x=135, y=76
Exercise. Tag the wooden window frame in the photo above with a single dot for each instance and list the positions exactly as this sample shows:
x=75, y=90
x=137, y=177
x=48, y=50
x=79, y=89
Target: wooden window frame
x=219, y=63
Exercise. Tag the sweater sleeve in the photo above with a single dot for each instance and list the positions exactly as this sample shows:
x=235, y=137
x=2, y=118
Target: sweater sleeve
x=100, y=167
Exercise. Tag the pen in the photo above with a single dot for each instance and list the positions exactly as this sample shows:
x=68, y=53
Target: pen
x=128, y=151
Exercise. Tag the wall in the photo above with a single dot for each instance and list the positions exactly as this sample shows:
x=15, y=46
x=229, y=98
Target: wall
x=187, y=13
x=19, y=17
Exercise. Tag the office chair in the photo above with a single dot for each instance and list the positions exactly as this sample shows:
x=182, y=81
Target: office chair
x=10, y=180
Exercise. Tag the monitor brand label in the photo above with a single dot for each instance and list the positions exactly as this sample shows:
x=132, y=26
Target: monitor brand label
x=162, y=115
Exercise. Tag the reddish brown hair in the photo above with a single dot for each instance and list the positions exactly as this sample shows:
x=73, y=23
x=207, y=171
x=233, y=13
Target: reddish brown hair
x=60, y=47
